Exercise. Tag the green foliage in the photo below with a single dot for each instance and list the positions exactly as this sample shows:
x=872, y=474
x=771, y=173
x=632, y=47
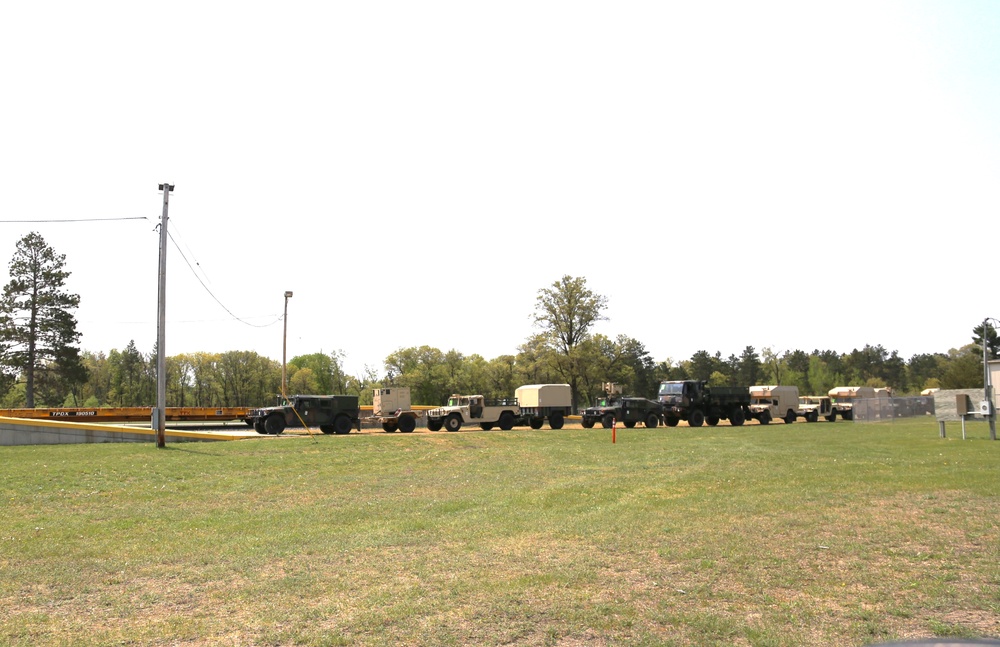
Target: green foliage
x=37, y=327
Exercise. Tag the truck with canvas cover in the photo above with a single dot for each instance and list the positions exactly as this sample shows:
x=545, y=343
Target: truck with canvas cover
x=698, y=403
x=541, y=402
x=772, y=402
x=391, y=408
x=333, y=414
x=474, y=409
x=844, y=397
x=816, y=406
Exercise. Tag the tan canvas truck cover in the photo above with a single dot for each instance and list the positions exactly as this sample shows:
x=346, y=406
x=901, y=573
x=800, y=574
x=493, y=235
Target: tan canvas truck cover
x=544, y=395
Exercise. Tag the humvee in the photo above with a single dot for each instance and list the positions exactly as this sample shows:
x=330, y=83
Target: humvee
x=333, y=414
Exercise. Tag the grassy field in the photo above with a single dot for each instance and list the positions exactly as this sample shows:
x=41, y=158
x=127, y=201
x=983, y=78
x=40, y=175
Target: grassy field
x=808, y=534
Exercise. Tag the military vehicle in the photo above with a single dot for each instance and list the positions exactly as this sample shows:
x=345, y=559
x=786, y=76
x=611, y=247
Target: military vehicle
x=815, y=406
x=698, y=403
x=769, y=403
x=844, y=397
x=333, y=414
x=612, y=408
x=391, y=408
x=471, y=409
x=539, y=402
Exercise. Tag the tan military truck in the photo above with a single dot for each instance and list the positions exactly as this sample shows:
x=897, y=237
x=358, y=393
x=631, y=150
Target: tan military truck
x=814, y=406
x=391, y=408
x=473, y=409
x=844, y=396
x=769, y=403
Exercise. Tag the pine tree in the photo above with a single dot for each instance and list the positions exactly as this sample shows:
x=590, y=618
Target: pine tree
x=37, y=326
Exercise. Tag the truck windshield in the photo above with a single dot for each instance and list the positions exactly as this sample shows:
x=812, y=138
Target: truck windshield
x=672, y=388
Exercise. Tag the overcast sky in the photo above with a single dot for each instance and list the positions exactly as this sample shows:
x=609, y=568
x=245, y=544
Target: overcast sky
x=791, y=175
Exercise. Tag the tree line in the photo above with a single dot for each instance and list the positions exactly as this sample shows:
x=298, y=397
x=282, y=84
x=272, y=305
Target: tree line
x=40, y=364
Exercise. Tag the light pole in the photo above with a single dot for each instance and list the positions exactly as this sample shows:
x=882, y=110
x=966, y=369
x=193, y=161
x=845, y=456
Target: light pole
x=284, y=345
x=990, y=414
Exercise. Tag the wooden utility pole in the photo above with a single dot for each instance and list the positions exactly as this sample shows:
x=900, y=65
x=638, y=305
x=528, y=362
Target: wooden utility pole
x=160, y=415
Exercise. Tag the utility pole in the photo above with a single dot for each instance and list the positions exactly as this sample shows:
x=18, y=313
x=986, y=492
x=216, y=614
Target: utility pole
x=160, y=415
x=990, y=413
x=284, y=346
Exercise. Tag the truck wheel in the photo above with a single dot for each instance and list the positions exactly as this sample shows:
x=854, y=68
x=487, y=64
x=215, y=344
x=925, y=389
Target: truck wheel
x=629, y=424
x=486, y=426
x=434, y=425
x=389, y=427
x=556, y=420
x=535, y=423
x=832, y=417
x=608, y=421
x=847, y=415
x=813, y=416
x=737, y=418
x=274, y=424
x=341, y=425
x=696, y=418
x=506, y=421
x=712, y=420
x=407, y=423
x=765, y=417
x=452, y=422
x=789, y=417
x=671, y=422
x=652, y=421
x=258, y=426
x=586, y=423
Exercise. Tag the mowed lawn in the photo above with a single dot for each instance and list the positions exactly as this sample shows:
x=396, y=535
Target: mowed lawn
x=803, y=534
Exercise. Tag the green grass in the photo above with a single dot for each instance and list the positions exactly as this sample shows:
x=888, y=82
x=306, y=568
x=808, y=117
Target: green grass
x=843, y=534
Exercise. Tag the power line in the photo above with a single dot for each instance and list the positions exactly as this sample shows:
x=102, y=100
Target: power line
x=80, y=219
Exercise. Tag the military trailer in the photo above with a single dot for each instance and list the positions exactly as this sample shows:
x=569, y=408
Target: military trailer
x=772, y=402
x=473, y=409
x=540, y=402
x=814, y=406
x=391, y=408
x=333, y=414
x=698, y=403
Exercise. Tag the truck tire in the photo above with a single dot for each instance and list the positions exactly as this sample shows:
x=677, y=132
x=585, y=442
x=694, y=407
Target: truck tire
x=587, y=423
x=813, y=416
x=712, y=420
x=486, y=426
x=737, y=417
x=506, y=421
x=629, y=424
x=453, y=422
x=556, y=420
x=652, y=421
x=765, y=417
x=389, y=427
x=341, y=425
x=535, y=423
x=832, y=417
x=848, y=415
x=608, y=421
x=696, y=418
x=274, y=424
x=407, y=423
x=258, y=426
x=671, y=422
x=789, y=417
x=434, y=425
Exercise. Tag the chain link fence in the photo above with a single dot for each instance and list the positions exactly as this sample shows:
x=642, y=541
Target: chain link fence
x=888, y=409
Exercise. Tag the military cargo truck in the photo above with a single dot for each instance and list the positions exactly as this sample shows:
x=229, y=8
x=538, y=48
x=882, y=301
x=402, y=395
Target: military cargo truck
x=391, y=408
x=470, y=409
x=769, y=403
x=698, y=403
x=539, y=402
x=333, y=414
